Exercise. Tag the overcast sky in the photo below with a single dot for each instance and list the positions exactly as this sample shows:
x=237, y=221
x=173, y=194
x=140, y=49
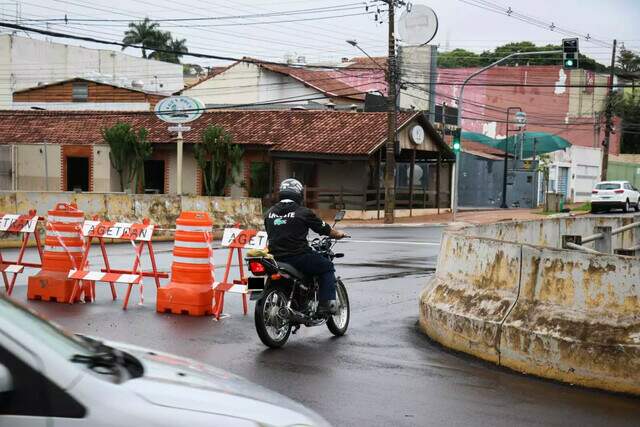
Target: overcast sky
x=460, y=24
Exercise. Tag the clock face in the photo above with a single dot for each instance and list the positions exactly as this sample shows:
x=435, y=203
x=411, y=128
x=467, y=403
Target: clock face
x=417, y=134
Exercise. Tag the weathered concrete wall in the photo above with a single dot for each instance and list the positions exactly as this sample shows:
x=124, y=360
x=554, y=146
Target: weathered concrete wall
x=549, y=232
x=502, y=293
x=467, y=301
x=161, y=209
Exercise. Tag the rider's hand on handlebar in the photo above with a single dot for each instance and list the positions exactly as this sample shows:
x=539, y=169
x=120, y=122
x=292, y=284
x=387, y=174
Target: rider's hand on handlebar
x=337, y=234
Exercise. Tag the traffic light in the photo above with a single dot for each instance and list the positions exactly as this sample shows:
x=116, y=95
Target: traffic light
x=456, y=141
x=570, y=53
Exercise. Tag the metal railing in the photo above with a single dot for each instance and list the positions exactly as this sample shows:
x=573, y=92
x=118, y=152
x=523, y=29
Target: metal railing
x=602, y=240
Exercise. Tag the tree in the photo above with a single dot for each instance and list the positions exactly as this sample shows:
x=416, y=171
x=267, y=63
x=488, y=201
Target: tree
x=219, y=160
x=628, y=62
x=148, y=34
x=627, y=107
x=141, y=33
x=459, y=58
x=127, y=152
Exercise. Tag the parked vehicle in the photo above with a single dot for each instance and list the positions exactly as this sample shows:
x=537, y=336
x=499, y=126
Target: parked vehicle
x=49, y=377
x=287, y=299
x=615, y=195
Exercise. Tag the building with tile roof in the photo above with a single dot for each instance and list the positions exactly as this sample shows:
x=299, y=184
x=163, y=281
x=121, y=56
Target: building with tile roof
x=338, y=155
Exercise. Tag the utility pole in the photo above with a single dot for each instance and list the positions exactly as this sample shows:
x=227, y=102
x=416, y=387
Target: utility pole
x=609, y=116
x=390, y=169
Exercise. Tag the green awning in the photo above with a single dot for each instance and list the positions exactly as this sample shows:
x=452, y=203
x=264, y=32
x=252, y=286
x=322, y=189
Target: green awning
x=542, y=141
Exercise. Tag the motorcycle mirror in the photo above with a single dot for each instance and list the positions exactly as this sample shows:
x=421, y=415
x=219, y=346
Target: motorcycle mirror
x=339, y=216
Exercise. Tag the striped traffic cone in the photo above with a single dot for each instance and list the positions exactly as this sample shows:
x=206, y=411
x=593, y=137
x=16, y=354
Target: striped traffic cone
x=62, y=252
x=190, y=290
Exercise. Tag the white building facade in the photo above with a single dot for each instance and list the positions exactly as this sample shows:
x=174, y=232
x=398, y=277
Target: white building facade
x=26, y=63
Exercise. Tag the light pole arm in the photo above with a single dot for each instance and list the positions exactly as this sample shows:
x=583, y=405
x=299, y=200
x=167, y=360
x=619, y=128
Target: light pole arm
x=493, y=64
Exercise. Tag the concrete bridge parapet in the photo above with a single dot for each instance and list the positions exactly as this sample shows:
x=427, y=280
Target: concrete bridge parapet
x=509, y=294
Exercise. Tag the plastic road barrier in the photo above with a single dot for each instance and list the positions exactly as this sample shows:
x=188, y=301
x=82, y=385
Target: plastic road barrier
x=236, y=239
x=62, y=252
x=139, y=234
x=25, y=225
x=192, y=271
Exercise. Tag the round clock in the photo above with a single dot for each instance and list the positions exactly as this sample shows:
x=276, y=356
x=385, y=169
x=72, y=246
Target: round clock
x=416, y=134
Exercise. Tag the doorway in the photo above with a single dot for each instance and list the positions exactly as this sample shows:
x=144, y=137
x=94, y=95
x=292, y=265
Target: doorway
x=154, y=176
x=77, y=174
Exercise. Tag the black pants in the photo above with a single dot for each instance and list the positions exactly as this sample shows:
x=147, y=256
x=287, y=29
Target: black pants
x=314, y=264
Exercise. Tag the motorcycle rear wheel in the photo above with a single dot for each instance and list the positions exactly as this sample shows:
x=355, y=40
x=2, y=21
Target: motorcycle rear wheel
x=339, y=322
x=272, y=329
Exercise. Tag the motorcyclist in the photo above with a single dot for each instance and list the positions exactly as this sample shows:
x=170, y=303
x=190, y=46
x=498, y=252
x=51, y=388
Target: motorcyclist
x=287, y=224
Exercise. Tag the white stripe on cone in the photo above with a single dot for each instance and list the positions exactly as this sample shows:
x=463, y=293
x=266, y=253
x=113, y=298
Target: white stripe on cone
x=65, y=219
x=193, y=228
x=186, y=244
x=191, y=260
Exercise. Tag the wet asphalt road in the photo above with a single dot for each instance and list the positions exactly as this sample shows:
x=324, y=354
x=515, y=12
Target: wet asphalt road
x=384, y=372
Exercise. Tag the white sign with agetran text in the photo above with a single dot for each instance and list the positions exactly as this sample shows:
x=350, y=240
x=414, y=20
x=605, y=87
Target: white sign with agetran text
x=246, y=239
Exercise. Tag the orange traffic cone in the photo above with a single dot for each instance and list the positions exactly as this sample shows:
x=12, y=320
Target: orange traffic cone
x=190, y=291
x=62, y=252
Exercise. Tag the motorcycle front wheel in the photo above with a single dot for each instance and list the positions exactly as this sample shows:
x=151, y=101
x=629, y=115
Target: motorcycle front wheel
x=339, y=322
x=272, y=326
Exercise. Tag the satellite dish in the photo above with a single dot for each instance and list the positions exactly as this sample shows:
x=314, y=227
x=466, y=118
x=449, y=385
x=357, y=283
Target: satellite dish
x=418, y=25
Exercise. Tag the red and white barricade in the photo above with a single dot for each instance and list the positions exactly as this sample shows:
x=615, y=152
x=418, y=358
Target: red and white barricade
x=25, y=225
x=139, y=234
x=236, y=239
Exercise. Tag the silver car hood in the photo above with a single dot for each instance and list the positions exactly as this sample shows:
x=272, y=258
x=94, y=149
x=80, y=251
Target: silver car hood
x=186, y=384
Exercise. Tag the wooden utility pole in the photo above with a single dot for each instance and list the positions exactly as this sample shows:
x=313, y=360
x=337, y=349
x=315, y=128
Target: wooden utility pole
x=390, y=167
x=609, y=117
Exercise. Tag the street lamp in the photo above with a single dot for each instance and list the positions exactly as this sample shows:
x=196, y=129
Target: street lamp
x=355, y=44
x=520, y=120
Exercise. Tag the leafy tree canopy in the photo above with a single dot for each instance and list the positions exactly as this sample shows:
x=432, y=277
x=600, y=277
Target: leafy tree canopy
x=148, y=34
x=459, y=58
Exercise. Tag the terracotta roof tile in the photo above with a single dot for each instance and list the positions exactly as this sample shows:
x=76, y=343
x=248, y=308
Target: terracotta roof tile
x=322, y=132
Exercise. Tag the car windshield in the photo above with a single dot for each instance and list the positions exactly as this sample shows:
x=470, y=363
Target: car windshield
x=56, y=339
x=608, y=186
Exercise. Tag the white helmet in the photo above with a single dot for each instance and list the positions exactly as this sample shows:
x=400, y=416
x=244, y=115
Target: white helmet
x=292, y=189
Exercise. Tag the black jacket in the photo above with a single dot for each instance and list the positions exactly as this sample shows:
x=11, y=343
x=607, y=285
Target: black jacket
x=287, y=225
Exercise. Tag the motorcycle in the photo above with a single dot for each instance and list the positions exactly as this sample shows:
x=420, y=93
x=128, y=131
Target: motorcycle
x=287, y=299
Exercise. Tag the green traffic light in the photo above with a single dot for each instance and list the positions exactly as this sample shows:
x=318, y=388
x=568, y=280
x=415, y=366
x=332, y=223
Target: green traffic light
x=569, y=63
x=456, y=146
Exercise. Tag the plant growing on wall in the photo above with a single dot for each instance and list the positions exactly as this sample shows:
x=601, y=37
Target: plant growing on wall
x=219, y=159
x=128, y=151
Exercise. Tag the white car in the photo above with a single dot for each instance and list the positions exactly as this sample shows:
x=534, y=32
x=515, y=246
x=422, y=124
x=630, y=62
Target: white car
x=615, y=195
x=49, y=377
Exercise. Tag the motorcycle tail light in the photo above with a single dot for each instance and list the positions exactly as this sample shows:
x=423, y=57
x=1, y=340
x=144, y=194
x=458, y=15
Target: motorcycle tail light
x=619, y=191
x=257, y=268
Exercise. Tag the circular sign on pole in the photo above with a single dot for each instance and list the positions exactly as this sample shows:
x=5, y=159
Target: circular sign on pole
x=521, y=119
x=179, y=109
x=418, y=25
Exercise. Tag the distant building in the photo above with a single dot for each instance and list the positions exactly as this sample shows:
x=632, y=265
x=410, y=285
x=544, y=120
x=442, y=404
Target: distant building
x=568, y=103
x=26, y=63
x=84, y=94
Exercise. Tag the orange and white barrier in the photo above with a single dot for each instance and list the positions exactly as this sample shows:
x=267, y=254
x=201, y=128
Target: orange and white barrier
x=236, y=240
x=192, y=271
x=139, y=234
x=63, y=251
x=25, y=225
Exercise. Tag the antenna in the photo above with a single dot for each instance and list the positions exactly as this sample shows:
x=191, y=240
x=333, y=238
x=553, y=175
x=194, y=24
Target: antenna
x=418, y=25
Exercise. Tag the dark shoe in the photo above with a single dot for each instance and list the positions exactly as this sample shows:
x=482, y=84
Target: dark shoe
x=328, y=307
